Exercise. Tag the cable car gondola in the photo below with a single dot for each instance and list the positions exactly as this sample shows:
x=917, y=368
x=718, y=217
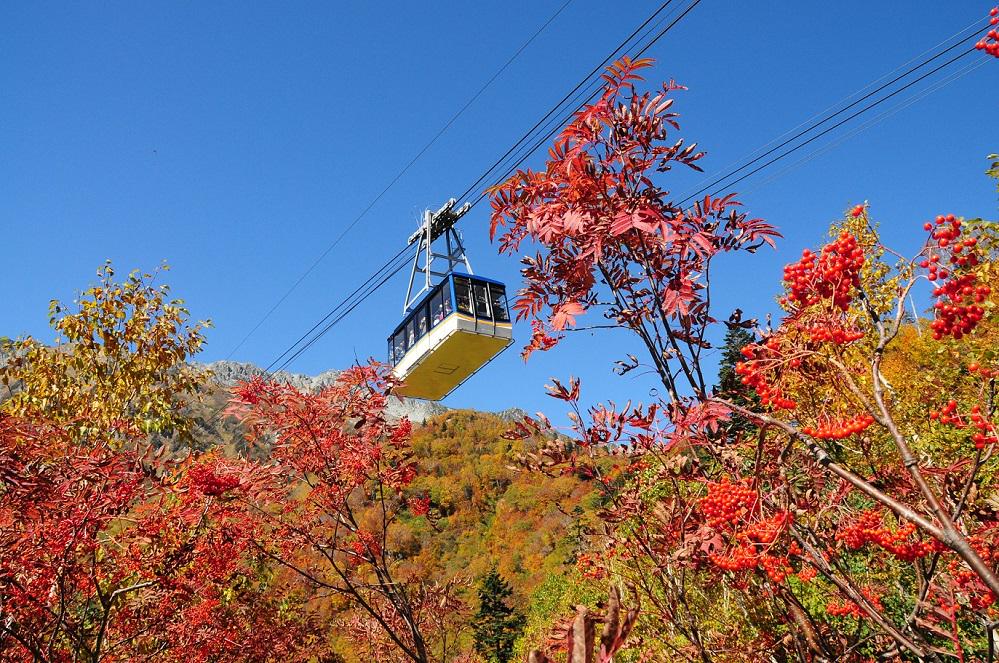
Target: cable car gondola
x=454, y=323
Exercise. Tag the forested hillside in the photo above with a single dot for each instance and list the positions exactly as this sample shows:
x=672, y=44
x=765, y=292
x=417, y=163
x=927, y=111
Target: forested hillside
x=484, y=511
x=486, y=508
x=460, y=505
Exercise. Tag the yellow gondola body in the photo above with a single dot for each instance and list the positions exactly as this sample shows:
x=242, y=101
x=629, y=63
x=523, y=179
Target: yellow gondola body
x=449, y=334
x=453, y=350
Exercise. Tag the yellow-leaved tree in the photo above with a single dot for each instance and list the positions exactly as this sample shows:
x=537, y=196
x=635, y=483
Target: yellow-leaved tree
x=118, y=365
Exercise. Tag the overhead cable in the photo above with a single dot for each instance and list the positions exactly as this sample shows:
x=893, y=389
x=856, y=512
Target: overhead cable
x=336, y=241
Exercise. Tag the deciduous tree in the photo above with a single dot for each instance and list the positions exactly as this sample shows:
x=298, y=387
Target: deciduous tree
x=111, y=549
x=117, y=367
x=837, y=507
x=345, y=467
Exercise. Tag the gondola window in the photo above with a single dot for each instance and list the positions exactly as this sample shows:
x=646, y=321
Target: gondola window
x=498, y=295
x=481, y=301
x=463, y=295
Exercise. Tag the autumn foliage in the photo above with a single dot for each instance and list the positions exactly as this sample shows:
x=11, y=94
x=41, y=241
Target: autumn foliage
x=347, y=468
x=600, y=219
x=850, y=519
x=311, y=536
x=111, y=549
x=832, y=496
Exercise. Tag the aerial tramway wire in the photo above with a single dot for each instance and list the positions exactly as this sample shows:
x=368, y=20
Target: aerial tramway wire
x=336, y=241
x=974, y=25
x=827, y=130
x=349, y=303
x=344, y=302
x=559, y=122
x=814, y=125
x=811, y=126
x=922, y=94
x=589, y=78
x=337, y=313
x=346, y=311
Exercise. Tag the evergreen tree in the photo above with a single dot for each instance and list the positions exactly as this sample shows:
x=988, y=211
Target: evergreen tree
x=496, y=625
x=730, y=385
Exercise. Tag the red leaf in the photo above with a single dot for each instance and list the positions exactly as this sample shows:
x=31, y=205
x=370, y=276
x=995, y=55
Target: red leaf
x=565, y=314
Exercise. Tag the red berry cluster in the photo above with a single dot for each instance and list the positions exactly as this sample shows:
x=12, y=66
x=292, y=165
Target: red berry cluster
x=845, y=609
x=958, y=319
x=753, y=376
x=777, y=568
x=857, y=211
x=730, y=505
x=839, y=430
x=820, y=333
x=851, y=609
x=990, y=42
x=985, y=430
x=727, y=502
x=807, y=574
x=832, y=274
x=740, y=558
x=765, y=532
x=869, y=528
x=946, y=414
x=590, y=566
x=945, y=231
x=979, y=596
x=958, y=307
x=749, y=558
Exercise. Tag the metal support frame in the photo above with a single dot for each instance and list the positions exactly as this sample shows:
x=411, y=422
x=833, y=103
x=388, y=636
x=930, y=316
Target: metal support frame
x=436, y=225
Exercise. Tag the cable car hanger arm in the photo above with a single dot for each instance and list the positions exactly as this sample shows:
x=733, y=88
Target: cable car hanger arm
x=436, y=225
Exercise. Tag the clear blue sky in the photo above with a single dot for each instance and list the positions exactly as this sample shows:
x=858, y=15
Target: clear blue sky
x=236, y=140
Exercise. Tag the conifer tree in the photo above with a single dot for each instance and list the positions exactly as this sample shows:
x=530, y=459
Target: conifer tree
x=496, y=625
x=736, y=338
x=730, y=386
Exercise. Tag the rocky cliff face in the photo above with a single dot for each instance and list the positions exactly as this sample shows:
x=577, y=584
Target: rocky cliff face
x=228, y=373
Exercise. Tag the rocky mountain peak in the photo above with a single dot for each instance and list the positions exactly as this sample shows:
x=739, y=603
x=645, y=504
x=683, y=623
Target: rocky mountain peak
x=228, y=373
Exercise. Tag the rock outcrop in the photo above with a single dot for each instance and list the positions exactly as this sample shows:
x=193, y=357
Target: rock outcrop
x=228, y=373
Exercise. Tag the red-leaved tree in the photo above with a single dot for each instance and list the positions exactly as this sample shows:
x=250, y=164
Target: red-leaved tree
x=111, y=548
x=345, y=467
x=835, y=550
